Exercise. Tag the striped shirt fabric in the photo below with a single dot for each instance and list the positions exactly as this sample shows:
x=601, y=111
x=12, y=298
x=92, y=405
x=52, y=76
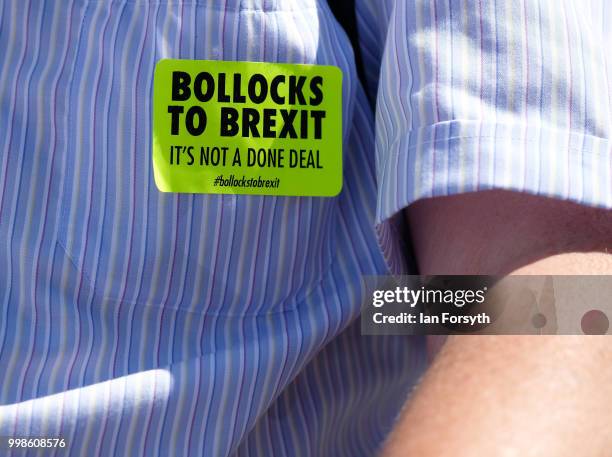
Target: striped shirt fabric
x=487, y=94
x=134, y=322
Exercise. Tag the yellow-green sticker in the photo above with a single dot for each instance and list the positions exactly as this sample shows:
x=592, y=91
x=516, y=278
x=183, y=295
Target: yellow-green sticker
x=247, y=128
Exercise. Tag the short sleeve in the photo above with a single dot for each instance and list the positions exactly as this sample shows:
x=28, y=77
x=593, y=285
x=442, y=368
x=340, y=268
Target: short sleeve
x=481, y=94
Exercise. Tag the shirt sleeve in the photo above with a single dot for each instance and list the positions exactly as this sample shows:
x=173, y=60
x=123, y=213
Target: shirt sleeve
x=480, y=94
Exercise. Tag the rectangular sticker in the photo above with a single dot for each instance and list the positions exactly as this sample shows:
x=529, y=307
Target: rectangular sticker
x=247, y=128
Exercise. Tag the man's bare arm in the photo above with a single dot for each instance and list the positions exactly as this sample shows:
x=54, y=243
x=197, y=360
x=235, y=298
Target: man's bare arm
x=499, y=232
x=511, y=395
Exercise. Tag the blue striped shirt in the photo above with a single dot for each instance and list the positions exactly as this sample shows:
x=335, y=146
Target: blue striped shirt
x=487, y=94
x=134, y=322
